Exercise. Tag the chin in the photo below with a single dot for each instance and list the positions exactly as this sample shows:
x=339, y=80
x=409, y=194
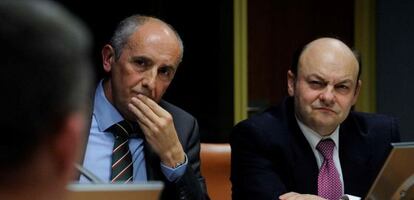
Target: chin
x=323, y=121
x=129, y=116
x=154, y=98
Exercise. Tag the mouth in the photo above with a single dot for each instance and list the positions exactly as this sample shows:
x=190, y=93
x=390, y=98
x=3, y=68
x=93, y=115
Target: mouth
x=147, y=94
x=324, y=109
x=136, y=93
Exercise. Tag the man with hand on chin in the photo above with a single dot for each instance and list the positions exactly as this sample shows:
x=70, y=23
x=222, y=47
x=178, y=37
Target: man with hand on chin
x=136, y=136
x=313, y=146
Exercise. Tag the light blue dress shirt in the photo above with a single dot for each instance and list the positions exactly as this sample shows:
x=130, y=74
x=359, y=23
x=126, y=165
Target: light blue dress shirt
x=98, y=153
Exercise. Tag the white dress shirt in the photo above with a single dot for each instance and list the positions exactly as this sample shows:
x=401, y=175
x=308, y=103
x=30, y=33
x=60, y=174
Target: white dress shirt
x=313, y=138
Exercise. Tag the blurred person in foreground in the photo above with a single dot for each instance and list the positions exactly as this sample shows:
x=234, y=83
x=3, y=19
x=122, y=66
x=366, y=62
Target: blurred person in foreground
x=45, y=81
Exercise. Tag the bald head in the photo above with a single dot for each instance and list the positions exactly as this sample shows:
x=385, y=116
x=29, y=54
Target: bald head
x=130, y=25
x=329, y=50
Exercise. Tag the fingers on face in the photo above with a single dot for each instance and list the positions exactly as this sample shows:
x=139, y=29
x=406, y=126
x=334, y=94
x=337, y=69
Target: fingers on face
x=140, y=115
x=143, y=121
x=153, y=106
x=144, y=109
x=158, y=117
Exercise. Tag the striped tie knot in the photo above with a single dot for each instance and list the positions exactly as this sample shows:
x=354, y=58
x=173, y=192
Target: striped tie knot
x=126, y=129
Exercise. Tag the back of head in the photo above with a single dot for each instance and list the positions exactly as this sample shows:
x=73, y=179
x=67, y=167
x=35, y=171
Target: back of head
x=45, y=75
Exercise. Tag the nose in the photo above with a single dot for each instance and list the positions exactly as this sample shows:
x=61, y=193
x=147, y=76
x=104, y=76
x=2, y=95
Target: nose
x=327, y=97
x=149, y=78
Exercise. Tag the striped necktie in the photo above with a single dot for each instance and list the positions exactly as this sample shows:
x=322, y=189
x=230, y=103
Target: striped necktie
x=121, y=166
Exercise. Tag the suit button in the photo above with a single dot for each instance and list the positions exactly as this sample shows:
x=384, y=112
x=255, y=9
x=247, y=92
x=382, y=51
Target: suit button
x=183, y=195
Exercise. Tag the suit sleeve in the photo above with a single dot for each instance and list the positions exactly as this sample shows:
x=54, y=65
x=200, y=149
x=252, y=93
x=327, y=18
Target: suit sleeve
x=254, y=172
x=395, y=131
x=192, y=185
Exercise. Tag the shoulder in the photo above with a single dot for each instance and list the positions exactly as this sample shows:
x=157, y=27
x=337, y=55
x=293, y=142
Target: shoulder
x=262, y=128
x=276, y=119
x=177, y=113
x=374, y=125
x=265, y=120
x=185, y=124
x=369, y=120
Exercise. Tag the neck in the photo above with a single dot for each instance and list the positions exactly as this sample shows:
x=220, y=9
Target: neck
x=40, y=178
x=107, y=87
x=324, y=131
x=29, y=191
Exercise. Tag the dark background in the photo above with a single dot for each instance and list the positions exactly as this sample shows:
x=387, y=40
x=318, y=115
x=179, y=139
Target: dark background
x=203, y=85
x=279, y=28
x=395, y=63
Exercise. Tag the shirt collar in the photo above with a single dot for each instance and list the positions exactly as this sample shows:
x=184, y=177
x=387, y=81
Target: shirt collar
x=314, y=138
x=104, y=112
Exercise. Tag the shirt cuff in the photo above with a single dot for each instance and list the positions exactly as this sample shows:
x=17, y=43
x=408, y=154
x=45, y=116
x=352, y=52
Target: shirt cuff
x=350, y=197
x=172, y=174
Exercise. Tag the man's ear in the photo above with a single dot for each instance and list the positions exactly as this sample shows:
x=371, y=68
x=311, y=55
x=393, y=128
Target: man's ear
x=291, y=83
x=108, y=57
x=357, y=90
x=66, y=145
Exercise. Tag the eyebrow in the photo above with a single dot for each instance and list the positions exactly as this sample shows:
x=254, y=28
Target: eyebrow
x=148, y=59
x=347, y=80
x=145, y=58
x=315, y=76
x=170, y=66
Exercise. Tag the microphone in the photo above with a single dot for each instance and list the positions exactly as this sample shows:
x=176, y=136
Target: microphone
x=88, y=174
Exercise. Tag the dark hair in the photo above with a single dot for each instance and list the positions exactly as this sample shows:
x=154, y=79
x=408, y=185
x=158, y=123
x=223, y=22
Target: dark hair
x=45, y=74
x=298, y=52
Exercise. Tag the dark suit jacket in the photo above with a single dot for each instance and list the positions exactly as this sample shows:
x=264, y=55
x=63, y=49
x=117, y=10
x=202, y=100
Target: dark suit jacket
x=191, y=186
x=271, y=156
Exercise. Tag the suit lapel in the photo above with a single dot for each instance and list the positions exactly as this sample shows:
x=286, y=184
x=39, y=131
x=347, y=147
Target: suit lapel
x=355, y=156
x=304, y=167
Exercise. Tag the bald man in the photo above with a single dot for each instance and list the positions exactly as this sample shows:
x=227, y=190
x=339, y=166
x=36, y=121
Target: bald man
x=313, y=146
x=157, y=140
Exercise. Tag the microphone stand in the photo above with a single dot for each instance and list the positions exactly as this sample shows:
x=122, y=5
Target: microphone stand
x=88, y=174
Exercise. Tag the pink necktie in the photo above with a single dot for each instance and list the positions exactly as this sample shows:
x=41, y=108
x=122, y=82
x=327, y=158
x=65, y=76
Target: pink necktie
x=329, y=183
